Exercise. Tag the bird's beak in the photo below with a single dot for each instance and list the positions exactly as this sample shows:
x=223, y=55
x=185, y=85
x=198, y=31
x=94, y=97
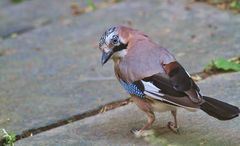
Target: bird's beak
x=106, y=56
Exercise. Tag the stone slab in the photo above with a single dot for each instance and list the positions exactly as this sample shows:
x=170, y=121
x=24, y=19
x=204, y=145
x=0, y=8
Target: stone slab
x=5, y=3
x=54, y=71
x=25, y=16
x=113, y=128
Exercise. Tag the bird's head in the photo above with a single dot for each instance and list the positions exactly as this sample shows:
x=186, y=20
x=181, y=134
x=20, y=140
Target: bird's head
x=114, y=43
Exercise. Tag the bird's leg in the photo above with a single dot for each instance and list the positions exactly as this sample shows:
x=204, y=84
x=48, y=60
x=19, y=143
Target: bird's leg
x=145, y=107
x=173, y=125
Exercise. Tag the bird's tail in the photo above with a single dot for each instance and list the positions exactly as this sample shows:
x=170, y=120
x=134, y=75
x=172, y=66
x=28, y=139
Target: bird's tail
x=218, y=109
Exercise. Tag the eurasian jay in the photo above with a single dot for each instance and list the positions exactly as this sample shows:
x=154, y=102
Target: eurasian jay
x=154, y=79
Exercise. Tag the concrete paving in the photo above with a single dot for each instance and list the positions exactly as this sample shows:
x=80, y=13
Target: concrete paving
x=27, y=15
x=53, y=71
x=113, y=128
x=5, y=3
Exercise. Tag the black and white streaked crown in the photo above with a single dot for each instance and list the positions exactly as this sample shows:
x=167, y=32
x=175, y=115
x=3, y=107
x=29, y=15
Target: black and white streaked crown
x=105, y=35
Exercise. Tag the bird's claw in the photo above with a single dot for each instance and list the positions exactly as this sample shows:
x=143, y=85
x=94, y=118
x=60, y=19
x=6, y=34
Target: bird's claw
x=141, y=133
x=173, y=128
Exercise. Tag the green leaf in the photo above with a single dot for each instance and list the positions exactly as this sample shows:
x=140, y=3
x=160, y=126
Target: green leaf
x=17, y=1
x=226, y=65
x=91, y=4
x=9, y=138
x=235, y=4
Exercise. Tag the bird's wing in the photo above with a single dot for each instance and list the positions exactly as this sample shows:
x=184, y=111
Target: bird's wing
x=158, y=88
x=182, y=82
x=161, y=87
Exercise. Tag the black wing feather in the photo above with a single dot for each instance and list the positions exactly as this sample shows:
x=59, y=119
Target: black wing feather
x=165, y=85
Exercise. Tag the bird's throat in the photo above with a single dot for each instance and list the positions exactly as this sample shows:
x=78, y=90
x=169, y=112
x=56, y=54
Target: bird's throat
x=119, y=55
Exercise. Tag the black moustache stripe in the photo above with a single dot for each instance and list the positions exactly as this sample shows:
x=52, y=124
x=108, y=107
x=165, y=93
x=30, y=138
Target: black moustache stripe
x=120, y=47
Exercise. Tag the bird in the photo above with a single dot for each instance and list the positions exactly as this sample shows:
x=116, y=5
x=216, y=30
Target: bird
x=155, y=80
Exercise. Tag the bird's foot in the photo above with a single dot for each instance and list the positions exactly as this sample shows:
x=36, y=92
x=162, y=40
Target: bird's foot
x=142, y=133
x=173, y=128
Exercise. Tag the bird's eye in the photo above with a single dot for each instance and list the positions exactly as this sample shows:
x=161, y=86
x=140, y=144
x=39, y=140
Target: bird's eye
x=115, y=39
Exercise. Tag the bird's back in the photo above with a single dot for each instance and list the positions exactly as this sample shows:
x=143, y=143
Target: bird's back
x=144, y=59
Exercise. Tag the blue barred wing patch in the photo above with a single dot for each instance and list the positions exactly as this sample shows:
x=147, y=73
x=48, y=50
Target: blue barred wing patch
x=132, y=89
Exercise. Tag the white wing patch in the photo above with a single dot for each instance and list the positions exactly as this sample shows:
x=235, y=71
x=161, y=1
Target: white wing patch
x=188, y=73
x=149, y=87
x=153, y=91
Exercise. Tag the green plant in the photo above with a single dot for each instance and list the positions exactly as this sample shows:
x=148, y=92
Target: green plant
x=224, y=65
x=9, y=138
x=17, y=1
x=91, y=4
x=235, y=4
x=153, y=139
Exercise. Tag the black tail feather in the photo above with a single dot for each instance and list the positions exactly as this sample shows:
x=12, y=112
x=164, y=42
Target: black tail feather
x=219, y=109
